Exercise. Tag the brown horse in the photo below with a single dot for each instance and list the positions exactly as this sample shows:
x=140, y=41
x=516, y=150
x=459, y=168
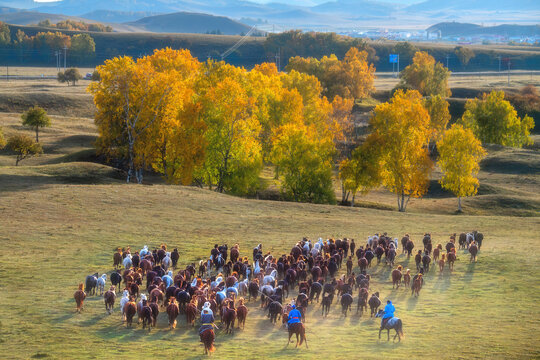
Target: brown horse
x=117, y=258
x=172, y=312
x=207, y=338
x=300, y=331
x=407, y=278
x=229, y=317
x=441, y=262
x=191, y=312
x=79, y=296
x=362, y=300
x=473, y=249
x=241, y=312
x=450, y=259
x=417, y=285
x=130, y=309
x=396, y=277
x=110, y=297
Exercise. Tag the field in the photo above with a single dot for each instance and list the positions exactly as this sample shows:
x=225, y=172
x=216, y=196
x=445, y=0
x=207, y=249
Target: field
x=62, y=218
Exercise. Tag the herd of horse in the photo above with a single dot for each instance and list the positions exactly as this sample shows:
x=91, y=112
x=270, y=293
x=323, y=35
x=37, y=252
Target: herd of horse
x=228, y=281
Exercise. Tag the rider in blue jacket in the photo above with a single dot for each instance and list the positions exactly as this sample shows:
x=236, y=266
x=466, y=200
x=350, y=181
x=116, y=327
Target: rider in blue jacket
x=389, y=310
x=294, y=316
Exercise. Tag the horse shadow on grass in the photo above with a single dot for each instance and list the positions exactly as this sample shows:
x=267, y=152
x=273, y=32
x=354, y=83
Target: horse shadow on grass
x=469, y=272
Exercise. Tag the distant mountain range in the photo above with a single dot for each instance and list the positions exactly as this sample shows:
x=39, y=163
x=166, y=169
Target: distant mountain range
x=304, y=14
x=184, y=22
x=450, y=29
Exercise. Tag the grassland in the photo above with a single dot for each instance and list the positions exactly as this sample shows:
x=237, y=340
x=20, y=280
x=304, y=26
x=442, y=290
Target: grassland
x=62, y=218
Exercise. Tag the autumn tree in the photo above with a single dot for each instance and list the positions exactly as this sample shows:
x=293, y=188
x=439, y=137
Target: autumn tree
x=495, y=121
x=405, y=50
x=5, y=34
x=362, y=172
x=464, y=54
x=83, y=45
x=439, y=115
x=23, y=146
x=426, y=75
x=351, y=77
x=234, y=154
x=36, y=118
x=129, y=99
x=2, y=139
x=305, y=163
x=402, y=127
x=460, y=153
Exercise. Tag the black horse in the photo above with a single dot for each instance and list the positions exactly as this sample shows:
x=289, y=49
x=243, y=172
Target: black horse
x=394, y=323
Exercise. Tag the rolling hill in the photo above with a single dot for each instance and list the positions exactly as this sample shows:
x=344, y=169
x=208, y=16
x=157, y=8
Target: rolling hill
x=465, y=29
x=185, y=22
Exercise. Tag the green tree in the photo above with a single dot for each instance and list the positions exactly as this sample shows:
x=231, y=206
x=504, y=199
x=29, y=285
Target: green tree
x=426, y=75
x=305, y=163
x=405, y=49
x=36, y=118
x=464, y=54
x=5, y=34
x=495, y=121
x=460, y=153
x=83, y=45
x=24, y=146
x=362, y=172
x=45, y=23
x=69, y=76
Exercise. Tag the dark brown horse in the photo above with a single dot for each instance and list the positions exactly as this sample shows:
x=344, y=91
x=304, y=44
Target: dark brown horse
x=450, y=259
x=362, y=300
x=417, y=285
x=146, y=315
x=229, y=317
x=473, y=249
x=396, y=277
x=79, y=296
x=110, y=297
x=241, y=312
x=207, y=338
x=374, y=303
x=117, y=258
x=300, y=331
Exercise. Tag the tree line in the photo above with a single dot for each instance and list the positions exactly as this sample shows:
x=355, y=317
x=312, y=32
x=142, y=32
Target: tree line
x=216, y=125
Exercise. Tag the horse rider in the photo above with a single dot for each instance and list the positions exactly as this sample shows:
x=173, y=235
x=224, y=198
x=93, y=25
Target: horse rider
x=294, y=316
x=389, y=310
x=207, y=319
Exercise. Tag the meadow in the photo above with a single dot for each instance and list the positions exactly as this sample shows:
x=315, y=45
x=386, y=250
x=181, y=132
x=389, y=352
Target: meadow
x=62, y=217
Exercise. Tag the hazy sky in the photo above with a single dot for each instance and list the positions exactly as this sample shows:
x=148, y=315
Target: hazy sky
x=305, y=2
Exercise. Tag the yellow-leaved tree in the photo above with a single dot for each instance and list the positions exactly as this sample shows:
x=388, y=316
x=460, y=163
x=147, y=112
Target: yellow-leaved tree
x=401, y=126
x=460, y=153
x=439, y=116
x=426, y=75
x=234, y=154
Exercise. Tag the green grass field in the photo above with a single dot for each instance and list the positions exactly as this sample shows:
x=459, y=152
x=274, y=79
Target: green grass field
x=63, y=217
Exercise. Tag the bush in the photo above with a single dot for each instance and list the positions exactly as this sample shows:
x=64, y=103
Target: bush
x=24, y=146
x=69, y=76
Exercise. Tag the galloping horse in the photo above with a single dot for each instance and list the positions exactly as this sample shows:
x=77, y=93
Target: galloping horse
x=394, y=323
x=207, y=338
x=300, y=331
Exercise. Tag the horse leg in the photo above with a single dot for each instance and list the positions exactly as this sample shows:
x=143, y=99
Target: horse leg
x=388, y=334
x=297, y=339
x=289, y=340
x=380, y=333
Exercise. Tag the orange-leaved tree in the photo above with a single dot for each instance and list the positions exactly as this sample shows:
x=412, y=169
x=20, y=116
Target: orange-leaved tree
x=402, y=127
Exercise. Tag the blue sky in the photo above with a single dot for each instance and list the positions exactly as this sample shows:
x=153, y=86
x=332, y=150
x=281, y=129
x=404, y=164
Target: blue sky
x=303, y=2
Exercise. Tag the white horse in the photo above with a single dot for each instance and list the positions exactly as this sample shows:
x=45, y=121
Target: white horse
x=123, y=301
x=269, y=279
x=101, y=281
x=127, y=262
x=243, y=287
x=144, y=251
x=257, y=268
x=166, y=262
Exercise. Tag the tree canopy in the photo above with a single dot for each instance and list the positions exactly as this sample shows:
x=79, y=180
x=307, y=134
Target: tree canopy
x=495, y=121
x=24, y=146
x=426, y=75
x=460, y=153
x=36, y=117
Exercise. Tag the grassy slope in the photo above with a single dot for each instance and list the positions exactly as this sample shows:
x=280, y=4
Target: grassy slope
x=62, y=220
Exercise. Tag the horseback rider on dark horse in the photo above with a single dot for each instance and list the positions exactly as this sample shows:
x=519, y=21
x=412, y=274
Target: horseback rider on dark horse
x=389, y=321
x=295, y=326
x=206, y=331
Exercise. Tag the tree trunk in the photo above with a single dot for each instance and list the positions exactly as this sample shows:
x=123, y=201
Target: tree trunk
x=459, y=204
x=37, y=133
x=352, y=199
